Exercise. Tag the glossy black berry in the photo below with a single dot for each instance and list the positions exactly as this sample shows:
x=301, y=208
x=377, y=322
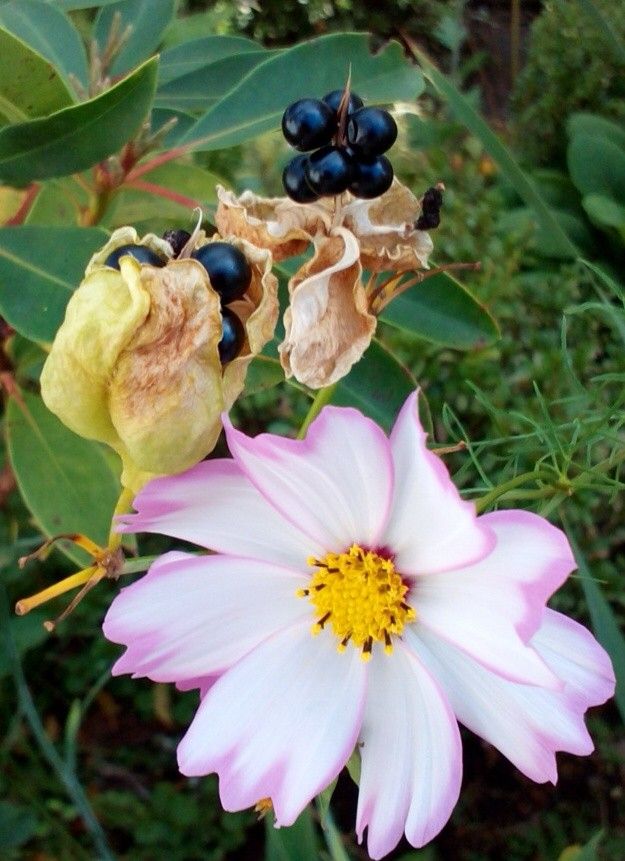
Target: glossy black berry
x=308, y=124
x=139, y=252
x=229, y=272
x=329, y=170
x=333, y=100
x=177, y=239
x=371, y=131
x=294, y=181
x=372, y=177
x=232, y=336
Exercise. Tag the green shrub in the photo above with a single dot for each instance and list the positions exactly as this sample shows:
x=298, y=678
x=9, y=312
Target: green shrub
x=569, y=68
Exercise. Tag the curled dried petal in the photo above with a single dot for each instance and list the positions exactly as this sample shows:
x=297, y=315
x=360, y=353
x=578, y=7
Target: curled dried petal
x=128, y=236
x=327, y=324
x=276, y=223
x=385, y=229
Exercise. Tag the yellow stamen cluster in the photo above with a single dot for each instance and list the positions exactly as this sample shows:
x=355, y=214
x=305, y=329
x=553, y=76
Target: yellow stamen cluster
x=361, y=595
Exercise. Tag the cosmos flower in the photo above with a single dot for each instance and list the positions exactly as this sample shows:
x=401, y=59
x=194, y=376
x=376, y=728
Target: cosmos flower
x=355, y=602
x=139, y=345
x=332, y=312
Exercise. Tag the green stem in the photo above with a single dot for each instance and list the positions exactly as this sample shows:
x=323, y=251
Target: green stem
x=321, y=399
x=66, y=776
x=484, y=502
x=139, y=563
x=333, y=838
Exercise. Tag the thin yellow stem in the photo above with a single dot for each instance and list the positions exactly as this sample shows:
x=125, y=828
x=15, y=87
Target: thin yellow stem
x=123, y=506
x=323, y=397
x=25, y=605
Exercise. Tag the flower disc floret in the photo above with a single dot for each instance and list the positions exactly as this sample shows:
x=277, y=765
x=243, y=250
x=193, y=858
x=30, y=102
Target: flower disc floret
x=361, y=595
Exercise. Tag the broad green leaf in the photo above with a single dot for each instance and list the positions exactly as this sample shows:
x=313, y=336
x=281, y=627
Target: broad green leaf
x=40, y=267
x=525, y=188
x=295, y=843
x=264, y=372
x=196, y=53
x=148, y=20
x=605, y=211
x=58, y=203
x=194, y=185
x=377, y=385
x=595, y=126
x=441, y=310
x=597, y=166
x=50, y=32
x=209, y=22
x=184, y=122
x=311, y=68
x=604, y=623
x=65, y=480
x=30, y=86
x=206, y=86
x=71, y=5
x=79, y=136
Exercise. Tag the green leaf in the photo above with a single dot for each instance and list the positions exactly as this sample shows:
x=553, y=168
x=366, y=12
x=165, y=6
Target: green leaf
x=50, y=32
x=17, y=825
x=71, y=5
x=40, y=267
x=264, y=373
x=256, y=105
x=79, y=136
x=147, y=18
x=65, y=481
x=604, y=623
x=583, y=123
x=57, y=203
x=377, y=385
x=196, y=53
x=611, y=37
x=525, y=188
x=441, y=310
x=189, y=180
x=204, y=87
x=589, y=852
x=27, y=633
x=296, y=843
x=604, y=211
x=30, y=86
x=597, y=166
x=184, y=122
x=524, y=220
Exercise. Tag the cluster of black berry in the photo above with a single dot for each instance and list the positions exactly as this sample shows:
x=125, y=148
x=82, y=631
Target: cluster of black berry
x=348, y=144
x=229, y=272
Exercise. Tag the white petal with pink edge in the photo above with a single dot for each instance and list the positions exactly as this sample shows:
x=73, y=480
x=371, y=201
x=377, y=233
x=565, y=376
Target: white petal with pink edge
x=492, y=608
x=280, y=724
x=527, y=724
x=214, y=505
x=336, y=485
x=430, y=527
x=194, y=616
x=411, y=755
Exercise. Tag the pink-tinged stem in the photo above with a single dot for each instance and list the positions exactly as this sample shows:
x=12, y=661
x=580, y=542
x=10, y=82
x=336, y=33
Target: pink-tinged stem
x=157, y=161
x=161, y=191
x=29, y=198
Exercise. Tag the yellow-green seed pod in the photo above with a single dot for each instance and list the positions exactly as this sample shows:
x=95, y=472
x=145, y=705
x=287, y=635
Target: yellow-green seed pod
x=135, y=364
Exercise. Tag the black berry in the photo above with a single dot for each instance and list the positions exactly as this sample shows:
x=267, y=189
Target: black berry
x=229, y=272
x=371, y=131
x=177, y=239
x=294, y=181
x=333, y=100
x=139, y=252
x=329, y=170
x=308, y=124
x=232, y=336
x=372, y=177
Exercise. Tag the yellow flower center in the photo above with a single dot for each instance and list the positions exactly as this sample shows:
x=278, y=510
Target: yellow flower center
x=361, y=595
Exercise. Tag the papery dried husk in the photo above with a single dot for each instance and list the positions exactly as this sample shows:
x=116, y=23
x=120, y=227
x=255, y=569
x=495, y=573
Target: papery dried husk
x=136, y=365
x=327, y=324
x=385, y=229
x=128, y=236
x=278, y=224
